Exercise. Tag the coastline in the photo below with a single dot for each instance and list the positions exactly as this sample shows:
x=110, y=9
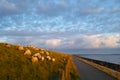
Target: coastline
x=109, y=71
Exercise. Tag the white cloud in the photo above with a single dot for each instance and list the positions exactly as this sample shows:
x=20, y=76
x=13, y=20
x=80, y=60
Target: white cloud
x=53, y=42
x=7, y=5
x=71, y=42
x=102, y=41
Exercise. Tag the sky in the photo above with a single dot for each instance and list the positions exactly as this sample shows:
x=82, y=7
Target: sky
x=61, y=24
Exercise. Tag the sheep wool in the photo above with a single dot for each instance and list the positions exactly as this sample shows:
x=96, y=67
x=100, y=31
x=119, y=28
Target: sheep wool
x=53, y=59
x=47, y=53
x=42, y=52
x=20, y=48
x=8, y=46
x=36, y=54
x=27, y=52
x=39, y=57
x=34, y=59
x=42, y=58
x=18, y=45
x=36, y=49
x=48, y=58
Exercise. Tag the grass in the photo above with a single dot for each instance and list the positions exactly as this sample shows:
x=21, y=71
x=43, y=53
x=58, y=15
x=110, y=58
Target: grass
x=70, y=72
x=15, y=66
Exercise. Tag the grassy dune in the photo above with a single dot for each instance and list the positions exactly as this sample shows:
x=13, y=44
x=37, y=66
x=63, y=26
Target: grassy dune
x=15, y=66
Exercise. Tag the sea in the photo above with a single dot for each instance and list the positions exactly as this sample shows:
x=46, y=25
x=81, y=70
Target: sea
x=107, y=55
x=111, y=57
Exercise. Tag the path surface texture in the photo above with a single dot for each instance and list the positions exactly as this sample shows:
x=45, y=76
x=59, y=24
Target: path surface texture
x=88, y=72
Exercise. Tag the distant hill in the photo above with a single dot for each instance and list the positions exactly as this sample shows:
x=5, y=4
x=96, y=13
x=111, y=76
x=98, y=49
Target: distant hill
x=50, y=65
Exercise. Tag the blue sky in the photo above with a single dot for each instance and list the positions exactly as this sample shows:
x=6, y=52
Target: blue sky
x=61, y=24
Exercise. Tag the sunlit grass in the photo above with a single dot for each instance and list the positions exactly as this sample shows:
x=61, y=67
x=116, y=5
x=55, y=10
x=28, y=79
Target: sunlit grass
x=15, y=66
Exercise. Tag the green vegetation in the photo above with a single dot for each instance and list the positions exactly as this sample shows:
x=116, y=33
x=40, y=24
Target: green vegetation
x=15, y=66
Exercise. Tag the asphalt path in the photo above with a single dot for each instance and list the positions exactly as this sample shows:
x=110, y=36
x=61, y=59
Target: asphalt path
x=87, y=72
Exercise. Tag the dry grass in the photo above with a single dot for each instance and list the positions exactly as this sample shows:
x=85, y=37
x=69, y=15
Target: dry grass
x=15, y=66
x=70, y=72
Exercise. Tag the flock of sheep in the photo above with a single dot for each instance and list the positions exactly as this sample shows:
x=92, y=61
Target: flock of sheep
x=39, y=56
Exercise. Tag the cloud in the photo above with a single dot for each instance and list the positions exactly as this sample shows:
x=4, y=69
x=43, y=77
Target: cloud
x=91, y=41
x=53, y=42
x=101, y=41
x=64, y=24
x=7, y=8
x=36, y=41
x=58, y=8
x=16, y=7
x=52, y=8
x=7, y=5
x=36, y=25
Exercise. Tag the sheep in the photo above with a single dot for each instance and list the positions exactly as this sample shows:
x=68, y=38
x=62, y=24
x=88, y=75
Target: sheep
x=39, y=57
x=42, y=52
x=18, y=45
x=32, y=47
x=42, y=58
x=20, y=48
x=42, y=49
x=36, y=54
x=29, y=46
x=48, y=58
x=36, y=49
x=34, y=59
x=8, y=46
x=47, y=53
x=27, y=52
x=53, y=59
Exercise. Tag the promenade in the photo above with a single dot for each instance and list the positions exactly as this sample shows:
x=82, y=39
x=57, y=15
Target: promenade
x=87, y=72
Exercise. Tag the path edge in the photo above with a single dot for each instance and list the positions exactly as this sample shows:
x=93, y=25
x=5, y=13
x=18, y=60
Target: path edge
x=109, y=71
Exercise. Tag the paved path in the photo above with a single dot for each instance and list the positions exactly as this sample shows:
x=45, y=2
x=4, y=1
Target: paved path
x=88, y=72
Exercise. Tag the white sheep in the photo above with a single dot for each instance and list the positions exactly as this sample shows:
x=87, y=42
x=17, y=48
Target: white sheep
x=42, y=49
x=39, y=57
x=36, y=49
x=20, y=48
x=53, y=59
x=42, y=58
x=8, y=46
x=34, y=59
x=32, y=47
x=18, y=45
x=36, y=54
x=42, y=52
x=48, y=58
x=47, y=53
x=27, y=52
